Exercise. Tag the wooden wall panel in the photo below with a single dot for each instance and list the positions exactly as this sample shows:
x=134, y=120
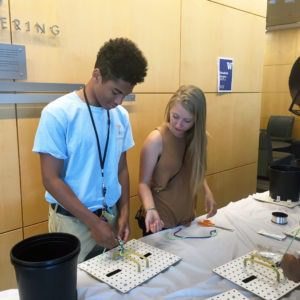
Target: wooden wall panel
x=10, y=204
x=229, y=29
x=35, y=208
x=255, y=6
x=274, y=104
x=7, y=274
x=35, y=229
x=222, y=185
x=244, y=177
x=282, y=49
x=275, y=78
x=146, y=113
x=233, y=126
x=71, y=54
x=4, y=22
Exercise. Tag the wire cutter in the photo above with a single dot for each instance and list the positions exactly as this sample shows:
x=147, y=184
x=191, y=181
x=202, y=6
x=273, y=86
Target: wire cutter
x=209, y=223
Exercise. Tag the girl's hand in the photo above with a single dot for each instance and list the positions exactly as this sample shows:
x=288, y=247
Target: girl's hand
x=152, y=221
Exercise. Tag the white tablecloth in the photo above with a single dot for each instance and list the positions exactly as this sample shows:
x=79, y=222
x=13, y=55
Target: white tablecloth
x=192, y=277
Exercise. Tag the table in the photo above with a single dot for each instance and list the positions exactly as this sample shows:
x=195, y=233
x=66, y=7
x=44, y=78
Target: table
x=278, y=145
x=192, y=278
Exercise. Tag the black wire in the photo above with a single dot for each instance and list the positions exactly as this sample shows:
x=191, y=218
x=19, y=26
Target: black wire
x=211, y=234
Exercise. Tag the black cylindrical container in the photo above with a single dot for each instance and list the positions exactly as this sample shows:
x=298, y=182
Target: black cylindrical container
x=285, y=182
x=46, y=266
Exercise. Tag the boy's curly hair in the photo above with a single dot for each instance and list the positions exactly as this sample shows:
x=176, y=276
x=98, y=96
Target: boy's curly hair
x=120, y=58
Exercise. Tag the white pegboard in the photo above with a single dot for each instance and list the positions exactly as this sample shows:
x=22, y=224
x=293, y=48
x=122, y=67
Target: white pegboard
x=229, y=295
x=265, y=197
x=256, y=278
x=292, y=232
x=122, y=273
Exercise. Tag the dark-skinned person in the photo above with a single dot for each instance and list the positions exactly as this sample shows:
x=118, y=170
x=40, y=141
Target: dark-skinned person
x=82, y=139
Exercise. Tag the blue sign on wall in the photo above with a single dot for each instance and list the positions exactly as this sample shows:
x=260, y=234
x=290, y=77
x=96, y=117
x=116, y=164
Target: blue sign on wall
x=225, y=66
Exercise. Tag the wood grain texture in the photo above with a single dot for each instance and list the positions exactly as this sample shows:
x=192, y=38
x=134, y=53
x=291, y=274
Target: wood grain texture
x=39, y=228
x=73, y=52
x=7, y=274
x=10, y=195
x=35, y=207
x=221, y=38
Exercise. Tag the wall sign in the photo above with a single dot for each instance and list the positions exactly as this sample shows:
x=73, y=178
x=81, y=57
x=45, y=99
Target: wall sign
x=225, y=66
x=12, y=62
x=27, y=26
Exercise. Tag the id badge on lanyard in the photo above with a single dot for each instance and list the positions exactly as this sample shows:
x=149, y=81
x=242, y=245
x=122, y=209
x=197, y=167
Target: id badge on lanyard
x=107, y=212
x=109, y=216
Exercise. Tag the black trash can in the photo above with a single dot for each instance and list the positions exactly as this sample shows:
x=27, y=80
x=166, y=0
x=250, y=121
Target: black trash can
x=285, y=182
x=46, y=266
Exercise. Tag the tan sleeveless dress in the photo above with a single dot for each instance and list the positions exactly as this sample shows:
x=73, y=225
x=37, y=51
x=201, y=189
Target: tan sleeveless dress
x=170, y=182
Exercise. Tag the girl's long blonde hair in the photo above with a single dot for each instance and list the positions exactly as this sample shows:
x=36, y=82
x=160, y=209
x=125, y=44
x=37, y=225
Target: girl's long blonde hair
x=193, y=100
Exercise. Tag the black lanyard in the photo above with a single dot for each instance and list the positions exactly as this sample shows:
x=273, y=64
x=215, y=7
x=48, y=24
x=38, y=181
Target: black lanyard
x=101, y=159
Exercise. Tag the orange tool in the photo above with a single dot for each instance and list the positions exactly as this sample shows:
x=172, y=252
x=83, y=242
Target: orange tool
x=209, y=223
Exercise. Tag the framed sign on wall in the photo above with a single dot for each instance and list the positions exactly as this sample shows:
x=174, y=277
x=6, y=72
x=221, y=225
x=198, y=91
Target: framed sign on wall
x=225, y=66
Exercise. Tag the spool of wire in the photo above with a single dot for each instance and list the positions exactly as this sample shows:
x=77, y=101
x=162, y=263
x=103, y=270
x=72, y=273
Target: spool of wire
x=279, y=217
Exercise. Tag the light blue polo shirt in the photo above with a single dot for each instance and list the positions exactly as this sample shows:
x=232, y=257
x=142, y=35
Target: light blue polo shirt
x=65, y=131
